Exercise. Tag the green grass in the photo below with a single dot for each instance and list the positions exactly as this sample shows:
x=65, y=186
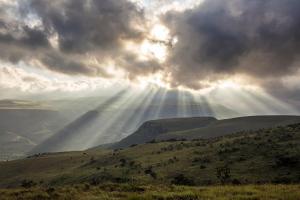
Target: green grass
x=125, y=191
x=269, y=156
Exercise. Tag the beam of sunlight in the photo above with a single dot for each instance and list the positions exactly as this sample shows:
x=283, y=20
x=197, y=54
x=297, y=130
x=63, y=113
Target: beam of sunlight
x=132, y=121
x=203, y=106
x=277, y=106
x=182, y=104
x=70, y=137
x=114, y=125
x=162, y=97
x=138, y=116
x=146, y=112
x=196, y=108
x=243, y=101
x=246, y=102
x=111, y=121
x=105, y=111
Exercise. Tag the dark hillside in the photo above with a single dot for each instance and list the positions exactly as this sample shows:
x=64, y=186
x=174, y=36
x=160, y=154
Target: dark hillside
x=201, y=127
x=153, y=129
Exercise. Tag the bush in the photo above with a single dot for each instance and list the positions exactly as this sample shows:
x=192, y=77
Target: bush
x=236, y=182
x=223, y=174
x=180, y=179
x=282, y=180
x=286, y=161
x=201, y=159
x=202, y=166
x=150, y=172
x=123, y=162
x=92, y=160
x=50, y=190
x=95, y=181
x=28, y=183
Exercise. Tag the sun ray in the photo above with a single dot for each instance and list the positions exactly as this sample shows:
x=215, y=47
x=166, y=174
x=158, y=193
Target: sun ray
x=181, y=104
x=70, y=137
x=102, y=114
x=138, y=116
x=160, y=104
x=110, y=120
x=203, y=106
x=277, y=106
x=246, y=103
x=132, y=116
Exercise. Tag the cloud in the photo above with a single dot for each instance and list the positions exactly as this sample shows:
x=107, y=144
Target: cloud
x=219, y=38
x=20, y=81
x=89, y=25
x=63, y=36
x=216, y=39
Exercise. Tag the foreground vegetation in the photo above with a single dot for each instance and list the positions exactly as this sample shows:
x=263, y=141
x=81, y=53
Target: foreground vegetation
x=270, y=156
x=249, y=165
x=127, y=191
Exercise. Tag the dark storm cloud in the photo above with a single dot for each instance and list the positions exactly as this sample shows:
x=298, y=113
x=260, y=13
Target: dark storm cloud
x=66, y=65
x=84, y=25
x=18, y=42
x=83, y=28
x=226, y=37
x=31, y=38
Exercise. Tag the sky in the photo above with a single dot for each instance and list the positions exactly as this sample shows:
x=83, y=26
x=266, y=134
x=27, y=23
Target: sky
x=229, y=50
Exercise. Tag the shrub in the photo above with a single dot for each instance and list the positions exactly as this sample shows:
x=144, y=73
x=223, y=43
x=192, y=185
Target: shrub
x=28, y=183
x=223, y=174
x=92, y=160
x=286, y=161
x=123, y=162
x=180, y=179
x=50, y=190
x=150, y=172
x=201, y=159
x=95, y=181
x=202, y=166
x=236, y=182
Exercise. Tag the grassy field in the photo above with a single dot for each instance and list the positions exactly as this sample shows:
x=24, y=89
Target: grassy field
x=251, y=165
x=127, y=191
x=269, y=156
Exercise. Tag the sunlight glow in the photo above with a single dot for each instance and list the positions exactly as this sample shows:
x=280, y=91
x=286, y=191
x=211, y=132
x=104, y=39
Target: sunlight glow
x=150, y=49
x=156, y=80
x=147, y=50
x=228, y=84
x=153, y=47
x=160, y=32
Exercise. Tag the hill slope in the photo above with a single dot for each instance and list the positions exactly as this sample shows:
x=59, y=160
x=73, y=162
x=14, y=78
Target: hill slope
x=264, y=156
x=201, y=127
x=228, y=126
x=153, y=129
